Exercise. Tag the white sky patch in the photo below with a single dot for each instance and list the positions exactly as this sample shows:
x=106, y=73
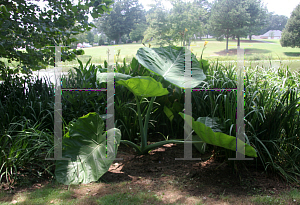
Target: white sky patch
x=282, y=7
x=277, y=6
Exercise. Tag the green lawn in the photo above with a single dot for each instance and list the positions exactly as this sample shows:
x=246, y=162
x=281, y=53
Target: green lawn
x=265, y=53
x=253, y=51
x=257, y=53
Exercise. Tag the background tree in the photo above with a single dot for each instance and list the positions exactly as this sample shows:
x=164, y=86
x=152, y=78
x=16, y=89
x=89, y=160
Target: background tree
x=138, y=33
x=250, y=18
x=258, y=18
x=159, y=26
x=122, y=19
x=236, y=18
x=274, y=22
x=221, y=22
x=290, y=36
x=25, y=25
x=187, y=20
x=206, y=5
x=90, y=37
x=82, y=37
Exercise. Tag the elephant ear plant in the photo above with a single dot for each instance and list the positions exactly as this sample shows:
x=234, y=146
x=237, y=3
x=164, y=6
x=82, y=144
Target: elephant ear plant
x=167, y=63
x=85, y=145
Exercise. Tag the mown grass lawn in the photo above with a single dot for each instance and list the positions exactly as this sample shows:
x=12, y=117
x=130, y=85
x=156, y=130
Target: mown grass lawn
x=264, y=53
x=265, y=49
x=256, y=53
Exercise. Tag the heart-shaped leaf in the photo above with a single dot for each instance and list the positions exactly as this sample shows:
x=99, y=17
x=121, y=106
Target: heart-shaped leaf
x=169, y=62
x=85, y=144
x=144, y=86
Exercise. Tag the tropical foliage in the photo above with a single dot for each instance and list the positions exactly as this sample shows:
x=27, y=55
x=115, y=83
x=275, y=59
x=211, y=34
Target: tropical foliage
x=271, y=115
x=86, y=145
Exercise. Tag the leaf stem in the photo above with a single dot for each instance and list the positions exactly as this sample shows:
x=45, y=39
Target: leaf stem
x=148, y=117
x=143, y=136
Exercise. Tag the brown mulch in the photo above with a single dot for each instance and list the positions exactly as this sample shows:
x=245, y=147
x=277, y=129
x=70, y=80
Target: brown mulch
x=213, y=176
x=209, y=178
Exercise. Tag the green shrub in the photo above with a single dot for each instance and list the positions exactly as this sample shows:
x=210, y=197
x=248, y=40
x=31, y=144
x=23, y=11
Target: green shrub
x=25, y=97
x=23, y=153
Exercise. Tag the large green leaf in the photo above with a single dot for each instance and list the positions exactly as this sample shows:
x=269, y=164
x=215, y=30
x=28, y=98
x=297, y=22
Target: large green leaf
x=85, y=144
x=217, y=138
x=209, y=122
x=169, y=62
x=144, y=86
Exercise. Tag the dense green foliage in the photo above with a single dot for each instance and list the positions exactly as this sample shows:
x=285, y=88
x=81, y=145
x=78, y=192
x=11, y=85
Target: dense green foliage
x=158, y=25
x=138, y=33
x=27, y=25
x=26, y=127
x=271, y=115
x=25, y=97
x=291, y=34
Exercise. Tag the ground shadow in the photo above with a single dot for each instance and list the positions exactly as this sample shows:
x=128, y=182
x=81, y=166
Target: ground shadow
x=294, y=54
x=248, y=51
x=248, y=41
x=210, y=176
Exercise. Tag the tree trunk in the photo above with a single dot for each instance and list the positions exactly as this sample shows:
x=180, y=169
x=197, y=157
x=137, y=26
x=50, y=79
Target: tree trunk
x=250, y=37
x=238, y=44
x=119, y=40
x=227, y=44
x=227, y=36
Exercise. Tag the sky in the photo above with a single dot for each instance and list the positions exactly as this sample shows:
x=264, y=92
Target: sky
x=283, y=8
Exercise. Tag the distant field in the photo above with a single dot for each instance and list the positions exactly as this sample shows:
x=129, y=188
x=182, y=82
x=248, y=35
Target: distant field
x=255, y=50
x=263, y=52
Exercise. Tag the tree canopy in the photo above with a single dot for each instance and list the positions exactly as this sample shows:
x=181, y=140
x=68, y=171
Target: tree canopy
x=236, y=18
x=187, y=19
x=290, y=36
x=159, y=25
x=180, y=23
x=122, y=19
x=27, y=25
x=138, y=33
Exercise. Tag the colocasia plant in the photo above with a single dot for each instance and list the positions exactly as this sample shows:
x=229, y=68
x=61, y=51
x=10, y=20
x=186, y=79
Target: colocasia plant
x=168, y=63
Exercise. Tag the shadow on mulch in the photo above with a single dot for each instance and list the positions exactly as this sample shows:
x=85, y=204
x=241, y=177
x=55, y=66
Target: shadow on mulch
x=201, y=177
